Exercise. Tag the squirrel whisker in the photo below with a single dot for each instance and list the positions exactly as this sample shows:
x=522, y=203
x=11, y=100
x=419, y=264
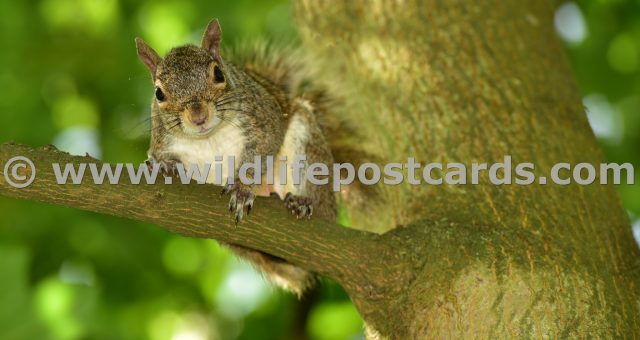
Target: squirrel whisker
x=231, y=95
x=231, y=100
x=232, y=109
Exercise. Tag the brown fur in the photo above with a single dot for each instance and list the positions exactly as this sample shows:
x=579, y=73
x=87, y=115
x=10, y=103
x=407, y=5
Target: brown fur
x=259, y=109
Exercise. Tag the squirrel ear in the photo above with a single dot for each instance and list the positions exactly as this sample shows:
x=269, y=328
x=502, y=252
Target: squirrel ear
x=211, y=39
x=148, y=56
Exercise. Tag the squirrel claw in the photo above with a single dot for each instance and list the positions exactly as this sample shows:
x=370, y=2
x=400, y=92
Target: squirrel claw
x=168, y=167
x=241, y=197
x=300, y=206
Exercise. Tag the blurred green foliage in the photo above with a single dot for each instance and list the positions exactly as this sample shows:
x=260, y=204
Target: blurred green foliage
x=603, y=39
x=69, y=76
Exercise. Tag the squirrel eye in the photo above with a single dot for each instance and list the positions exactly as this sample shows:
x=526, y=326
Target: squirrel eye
x=218, y=77
x=159, y=94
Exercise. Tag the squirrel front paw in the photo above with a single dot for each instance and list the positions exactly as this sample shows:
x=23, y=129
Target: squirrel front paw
x=168, y=167
x=242, y=197
x=300, y=206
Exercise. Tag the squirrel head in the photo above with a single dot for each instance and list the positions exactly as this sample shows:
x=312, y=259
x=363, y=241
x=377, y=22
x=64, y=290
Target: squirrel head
x=190, y=84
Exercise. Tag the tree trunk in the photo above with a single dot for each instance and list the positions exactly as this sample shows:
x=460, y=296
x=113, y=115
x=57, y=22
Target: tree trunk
x=441, y=81
x=459, y=81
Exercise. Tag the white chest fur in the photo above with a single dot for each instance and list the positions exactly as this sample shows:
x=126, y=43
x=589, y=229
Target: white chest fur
x=294, y=144
x=227, y=141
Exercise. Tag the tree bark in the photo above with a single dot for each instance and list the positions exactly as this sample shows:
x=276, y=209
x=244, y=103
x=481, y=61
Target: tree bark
x=195, y=210
x=441, y=81
x=459, y=81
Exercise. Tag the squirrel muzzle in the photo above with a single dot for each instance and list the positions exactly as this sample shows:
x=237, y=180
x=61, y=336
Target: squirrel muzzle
x=197, y=118
x=197, y=114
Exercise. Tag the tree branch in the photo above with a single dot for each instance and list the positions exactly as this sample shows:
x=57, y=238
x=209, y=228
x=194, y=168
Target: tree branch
x=200, y=211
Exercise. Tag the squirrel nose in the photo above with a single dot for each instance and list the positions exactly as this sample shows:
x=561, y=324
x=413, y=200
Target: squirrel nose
x=198, y=120
x=197, y=116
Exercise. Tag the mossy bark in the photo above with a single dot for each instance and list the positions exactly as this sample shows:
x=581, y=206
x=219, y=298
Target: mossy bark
x=460, y=81
x=441, y=81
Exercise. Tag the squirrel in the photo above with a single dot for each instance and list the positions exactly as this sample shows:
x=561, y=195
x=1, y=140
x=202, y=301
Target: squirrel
x=206, y=106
